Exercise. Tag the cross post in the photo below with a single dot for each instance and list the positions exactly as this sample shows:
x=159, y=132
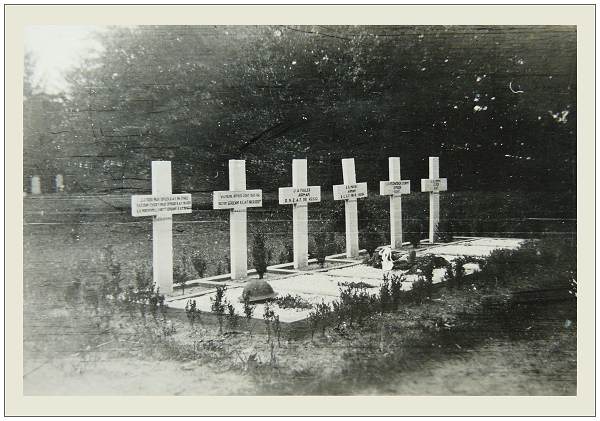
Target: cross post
x=350, y=191
x=237, y=199
x=300, y=195
x=434, y=185
x=395, y=188
x=161, y=205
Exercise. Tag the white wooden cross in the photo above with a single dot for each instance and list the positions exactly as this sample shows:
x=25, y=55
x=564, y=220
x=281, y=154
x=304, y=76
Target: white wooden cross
x=434, y=185
x=161, y=204
x=237, y=199
x=300, y=195
x=350, y=191
x=395, y=188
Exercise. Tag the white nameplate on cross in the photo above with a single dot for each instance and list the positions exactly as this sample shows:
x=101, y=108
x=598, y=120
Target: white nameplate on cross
x=238, y=199
x=300, y=195
x=149, y=205
x=350, y=191
x=395, y=188
x=434, y=185
x=161, y=204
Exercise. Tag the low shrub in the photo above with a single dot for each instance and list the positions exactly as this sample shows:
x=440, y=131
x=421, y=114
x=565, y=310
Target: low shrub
x=292, y=301
x=218, y=305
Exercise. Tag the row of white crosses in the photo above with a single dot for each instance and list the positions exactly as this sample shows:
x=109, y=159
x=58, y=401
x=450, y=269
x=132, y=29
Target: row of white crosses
x=162, y=204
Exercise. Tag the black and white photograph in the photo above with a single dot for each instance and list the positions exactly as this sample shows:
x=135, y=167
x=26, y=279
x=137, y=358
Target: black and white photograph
x=300, y=210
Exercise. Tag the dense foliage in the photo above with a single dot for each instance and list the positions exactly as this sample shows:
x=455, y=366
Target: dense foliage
x=497, y=104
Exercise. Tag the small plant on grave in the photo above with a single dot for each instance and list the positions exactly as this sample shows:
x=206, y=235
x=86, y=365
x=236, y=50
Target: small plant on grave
x=371, y=239
x=218, y=305
x=268, y=316
x=414, y=233
x=277, y=328
x=427, y=266
x=459, y=272
x=292, y=301
x=324, y=244
x=385, y=297
x=449, y=277
x=111, y=284
x=180, y=277
x=444, y=231
x=396, y=293
x=359, y=284
x=260, y=254
x=421, y=290
x=192, y=312
x=313, y=323
x=248, y=312
x=232, y=317
x=199, y=263
x=324, y=315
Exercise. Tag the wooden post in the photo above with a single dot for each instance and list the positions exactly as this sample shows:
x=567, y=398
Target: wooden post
x=350, y=191
x=162, y=204
x=434, y=185
x=300, y=195
x=394, y=188
x=237, y=200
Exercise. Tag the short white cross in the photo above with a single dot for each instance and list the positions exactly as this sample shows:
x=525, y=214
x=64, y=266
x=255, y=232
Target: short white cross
x=434, y=185
x=238, y=199
x=350, y=191
x=162, y=204
x=300, y=195
x=395, y=188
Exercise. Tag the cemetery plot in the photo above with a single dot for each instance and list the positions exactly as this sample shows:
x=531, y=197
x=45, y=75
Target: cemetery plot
x=325, y=286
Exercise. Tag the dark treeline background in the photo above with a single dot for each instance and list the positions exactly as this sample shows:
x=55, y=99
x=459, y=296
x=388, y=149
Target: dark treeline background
x=496, y=104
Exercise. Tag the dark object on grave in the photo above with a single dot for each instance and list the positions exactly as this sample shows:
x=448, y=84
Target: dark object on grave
x=258, y=290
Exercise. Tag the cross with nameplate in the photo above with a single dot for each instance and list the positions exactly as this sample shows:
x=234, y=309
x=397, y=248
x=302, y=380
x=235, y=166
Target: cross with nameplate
x=395, y=188
x=237, y=200
x=300, y=195
x=434, y=185
x=350, y=191
x=161, y=205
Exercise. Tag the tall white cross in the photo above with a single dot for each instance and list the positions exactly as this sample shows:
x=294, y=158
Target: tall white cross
x=395, y=188
x=350, y=191
x=238, y=199
x=300, y=195
x=162, y=204
x=434, y=185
